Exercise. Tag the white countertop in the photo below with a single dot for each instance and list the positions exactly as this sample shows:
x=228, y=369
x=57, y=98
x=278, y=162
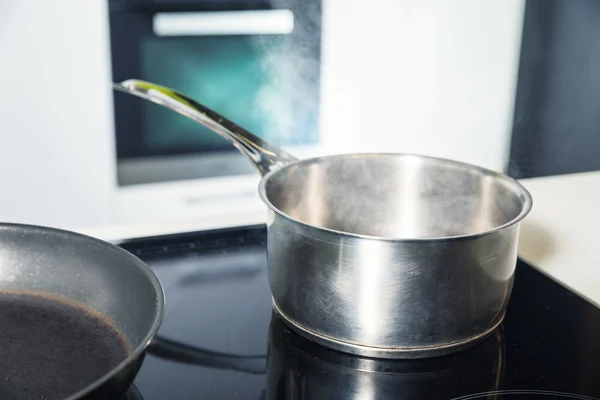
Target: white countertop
x=558, y=237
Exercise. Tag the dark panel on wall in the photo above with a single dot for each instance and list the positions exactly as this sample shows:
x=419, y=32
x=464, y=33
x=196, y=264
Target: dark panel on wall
x=557, y=110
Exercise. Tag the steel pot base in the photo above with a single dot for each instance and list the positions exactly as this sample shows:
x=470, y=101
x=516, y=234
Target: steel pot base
x=385, y=352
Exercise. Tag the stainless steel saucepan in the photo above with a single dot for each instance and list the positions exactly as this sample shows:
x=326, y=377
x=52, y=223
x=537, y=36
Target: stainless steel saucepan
x=383, y=255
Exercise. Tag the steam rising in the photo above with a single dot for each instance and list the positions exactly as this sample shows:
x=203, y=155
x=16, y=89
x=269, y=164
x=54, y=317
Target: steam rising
x=292, y=65
x=395, y=196
x=388, y=196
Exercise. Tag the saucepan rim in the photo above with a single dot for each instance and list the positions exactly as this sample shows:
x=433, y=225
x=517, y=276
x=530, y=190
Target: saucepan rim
x=519, y=189
x=134, y=261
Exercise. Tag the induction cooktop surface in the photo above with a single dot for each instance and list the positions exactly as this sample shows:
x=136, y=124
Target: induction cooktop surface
x=218, y=304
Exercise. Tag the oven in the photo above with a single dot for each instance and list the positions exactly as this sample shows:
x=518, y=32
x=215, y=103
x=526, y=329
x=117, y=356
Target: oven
x=256, y=62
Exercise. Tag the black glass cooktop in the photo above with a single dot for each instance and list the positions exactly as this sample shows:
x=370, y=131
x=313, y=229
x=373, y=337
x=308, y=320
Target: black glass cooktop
x=218, y=299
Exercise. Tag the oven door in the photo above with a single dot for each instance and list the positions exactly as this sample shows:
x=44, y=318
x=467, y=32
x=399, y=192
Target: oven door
x=257, y=64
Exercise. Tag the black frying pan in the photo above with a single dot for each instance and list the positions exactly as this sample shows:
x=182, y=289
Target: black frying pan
x=77, y=316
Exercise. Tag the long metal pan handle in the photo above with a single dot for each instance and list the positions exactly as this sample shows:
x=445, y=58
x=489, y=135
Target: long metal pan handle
x=183, y=353
x=264, y=155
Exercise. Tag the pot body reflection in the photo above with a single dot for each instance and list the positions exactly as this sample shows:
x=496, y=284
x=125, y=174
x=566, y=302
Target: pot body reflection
x=299, y=369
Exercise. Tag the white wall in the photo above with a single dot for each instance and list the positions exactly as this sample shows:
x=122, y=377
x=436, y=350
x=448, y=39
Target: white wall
x=56, y=145
x=428, y=76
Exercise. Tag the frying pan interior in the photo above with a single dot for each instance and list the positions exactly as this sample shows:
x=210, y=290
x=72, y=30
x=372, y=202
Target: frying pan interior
x=105, y=288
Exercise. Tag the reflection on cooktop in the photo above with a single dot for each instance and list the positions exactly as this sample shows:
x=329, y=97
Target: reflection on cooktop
x=133, y=394
x=299, y=369
x=524, y=394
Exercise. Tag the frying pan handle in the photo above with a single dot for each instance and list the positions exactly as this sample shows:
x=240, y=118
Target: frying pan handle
x=264, y=155
x=183, y=353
